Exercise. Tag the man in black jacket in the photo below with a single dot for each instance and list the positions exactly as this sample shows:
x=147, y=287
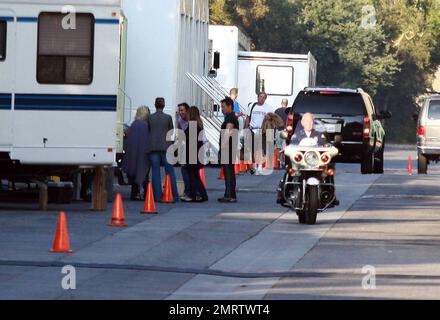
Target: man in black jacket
x=228, y=150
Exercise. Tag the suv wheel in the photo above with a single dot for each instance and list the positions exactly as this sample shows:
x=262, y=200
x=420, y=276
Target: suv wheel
x=378, y=160
x=422, y=164
x=367, y=164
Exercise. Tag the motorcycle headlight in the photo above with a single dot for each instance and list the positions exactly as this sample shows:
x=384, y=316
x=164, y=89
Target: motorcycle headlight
x=312, y=159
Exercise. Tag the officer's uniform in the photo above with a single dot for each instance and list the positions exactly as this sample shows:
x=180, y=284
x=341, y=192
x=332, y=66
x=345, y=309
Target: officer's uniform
x=319, y=137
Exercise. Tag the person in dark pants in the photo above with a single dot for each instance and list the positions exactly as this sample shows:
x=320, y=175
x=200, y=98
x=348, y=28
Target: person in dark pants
x=160, y=124
x=228, y=150
x=182, y=124
x=194, y=143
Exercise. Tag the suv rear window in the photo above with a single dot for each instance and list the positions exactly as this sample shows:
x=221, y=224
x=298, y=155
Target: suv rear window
x=338, y=104
x=434, y=110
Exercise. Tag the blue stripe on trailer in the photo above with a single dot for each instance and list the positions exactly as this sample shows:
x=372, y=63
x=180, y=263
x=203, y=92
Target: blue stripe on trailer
x=64, y=108
x=56, y=97
x=5, y=101
x=66, y=102
x=27, y=19
x=34, y=19
x=106, y=21
x=9, y=19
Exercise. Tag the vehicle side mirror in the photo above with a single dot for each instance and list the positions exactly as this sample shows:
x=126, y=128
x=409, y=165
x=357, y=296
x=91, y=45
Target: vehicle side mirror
x=216, y=64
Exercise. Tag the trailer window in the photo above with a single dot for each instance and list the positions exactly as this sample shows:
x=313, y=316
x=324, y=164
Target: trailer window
x=65, y=56
x=3, y=30
x=275, y=80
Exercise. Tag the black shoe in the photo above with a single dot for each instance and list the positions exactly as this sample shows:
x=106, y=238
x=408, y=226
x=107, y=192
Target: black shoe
x=227, y=200
x=201, y=199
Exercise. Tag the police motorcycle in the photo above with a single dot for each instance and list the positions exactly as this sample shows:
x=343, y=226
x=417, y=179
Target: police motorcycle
x=308, y=183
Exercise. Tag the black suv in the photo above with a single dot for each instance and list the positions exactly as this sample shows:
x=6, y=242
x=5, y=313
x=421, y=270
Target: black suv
x=351, y=121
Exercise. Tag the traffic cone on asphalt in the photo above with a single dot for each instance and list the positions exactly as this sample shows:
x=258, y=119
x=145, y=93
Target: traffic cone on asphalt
x=237, y=169
x=118, y=217
x=410, y=166
x=202, y=177
x=150, y=205
x=243, y=167
x=61, y=243
x=167, y=196
x=222, y=174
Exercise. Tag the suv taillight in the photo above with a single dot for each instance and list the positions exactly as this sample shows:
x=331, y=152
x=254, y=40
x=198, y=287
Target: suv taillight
x=289, y=126
x=367, y=127
x=421, y=131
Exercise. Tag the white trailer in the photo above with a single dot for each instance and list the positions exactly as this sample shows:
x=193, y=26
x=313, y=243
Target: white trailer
x=228, y=41
x=63, y=91
x=166, y=40
x=59, y=77
x=279, y=75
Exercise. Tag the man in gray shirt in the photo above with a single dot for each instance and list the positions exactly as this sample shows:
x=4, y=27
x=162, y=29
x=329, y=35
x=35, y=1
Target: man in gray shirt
x=160, y=124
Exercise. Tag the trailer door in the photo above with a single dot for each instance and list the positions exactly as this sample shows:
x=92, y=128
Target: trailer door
x=7, y=60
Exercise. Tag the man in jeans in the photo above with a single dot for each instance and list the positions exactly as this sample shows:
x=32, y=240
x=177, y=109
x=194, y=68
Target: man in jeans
x=160, y=124
x=228, y=150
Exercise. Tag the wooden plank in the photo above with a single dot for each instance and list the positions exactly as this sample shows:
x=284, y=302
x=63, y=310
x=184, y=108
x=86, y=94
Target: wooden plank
x=99, y=190
x=43, y=198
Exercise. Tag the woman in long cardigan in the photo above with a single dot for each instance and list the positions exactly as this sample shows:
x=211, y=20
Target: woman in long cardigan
x=136, y=164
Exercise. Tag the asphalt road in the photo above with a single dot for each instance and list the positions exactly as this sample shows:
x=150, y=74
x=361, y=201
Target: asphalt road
x=251, y=250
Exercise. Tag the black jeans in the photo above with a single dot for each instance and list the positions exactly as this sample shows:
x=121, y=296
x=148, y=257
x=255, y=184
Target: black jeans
x=195, y=182
x=230, y=182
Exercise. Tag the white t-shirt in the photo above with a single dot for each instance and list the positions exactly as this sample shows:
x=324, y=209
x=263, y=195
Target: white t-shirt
x=258, y=115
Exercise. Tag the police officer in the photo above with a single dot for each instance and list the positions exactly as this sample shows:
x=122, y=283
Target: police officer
x=308, y=131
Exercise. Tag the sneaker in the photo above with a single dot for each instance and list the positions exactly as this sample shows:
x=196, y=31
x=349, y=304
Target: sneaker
x=201, y=199
x=227, y=200
x=186, y=199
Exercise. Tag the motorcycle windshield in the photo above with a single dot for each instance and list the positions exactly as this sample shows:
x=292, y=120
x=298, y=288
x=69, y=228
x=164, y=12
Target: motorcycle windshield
x=309, y=134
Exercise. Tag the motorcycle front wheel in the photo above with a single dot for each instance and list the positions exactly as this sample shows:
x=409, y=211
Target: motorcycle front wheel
x=311, y=211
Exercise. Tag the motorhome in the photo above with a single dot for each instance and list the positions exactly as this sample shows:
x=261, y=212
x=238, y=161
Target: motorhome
x=73, y=72
x=59, y=76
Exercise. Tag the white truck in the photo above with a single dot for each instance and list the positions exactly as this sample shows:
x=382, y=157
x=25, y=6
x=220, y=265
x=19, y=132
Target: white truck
x=279, y=75
x=72, y=72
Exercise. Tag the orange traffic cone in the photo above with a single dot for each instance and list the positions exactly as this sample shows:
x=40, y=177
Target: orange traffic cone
x=222, y=174
x=118, y=217
x=167, y=196
x=410, y=166
x=61, y=243
x=243, y=167
x=202, y=177
x=237, y=169
x=150, y=205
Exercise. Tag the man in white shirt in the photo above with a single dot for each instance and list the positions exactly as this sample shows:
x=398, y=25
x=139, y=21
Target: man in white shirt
x=254, y=123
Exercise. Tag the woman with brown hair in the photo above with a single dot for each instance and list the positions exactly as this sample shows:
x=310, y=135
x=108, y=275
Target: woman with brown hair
x=197, y=192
